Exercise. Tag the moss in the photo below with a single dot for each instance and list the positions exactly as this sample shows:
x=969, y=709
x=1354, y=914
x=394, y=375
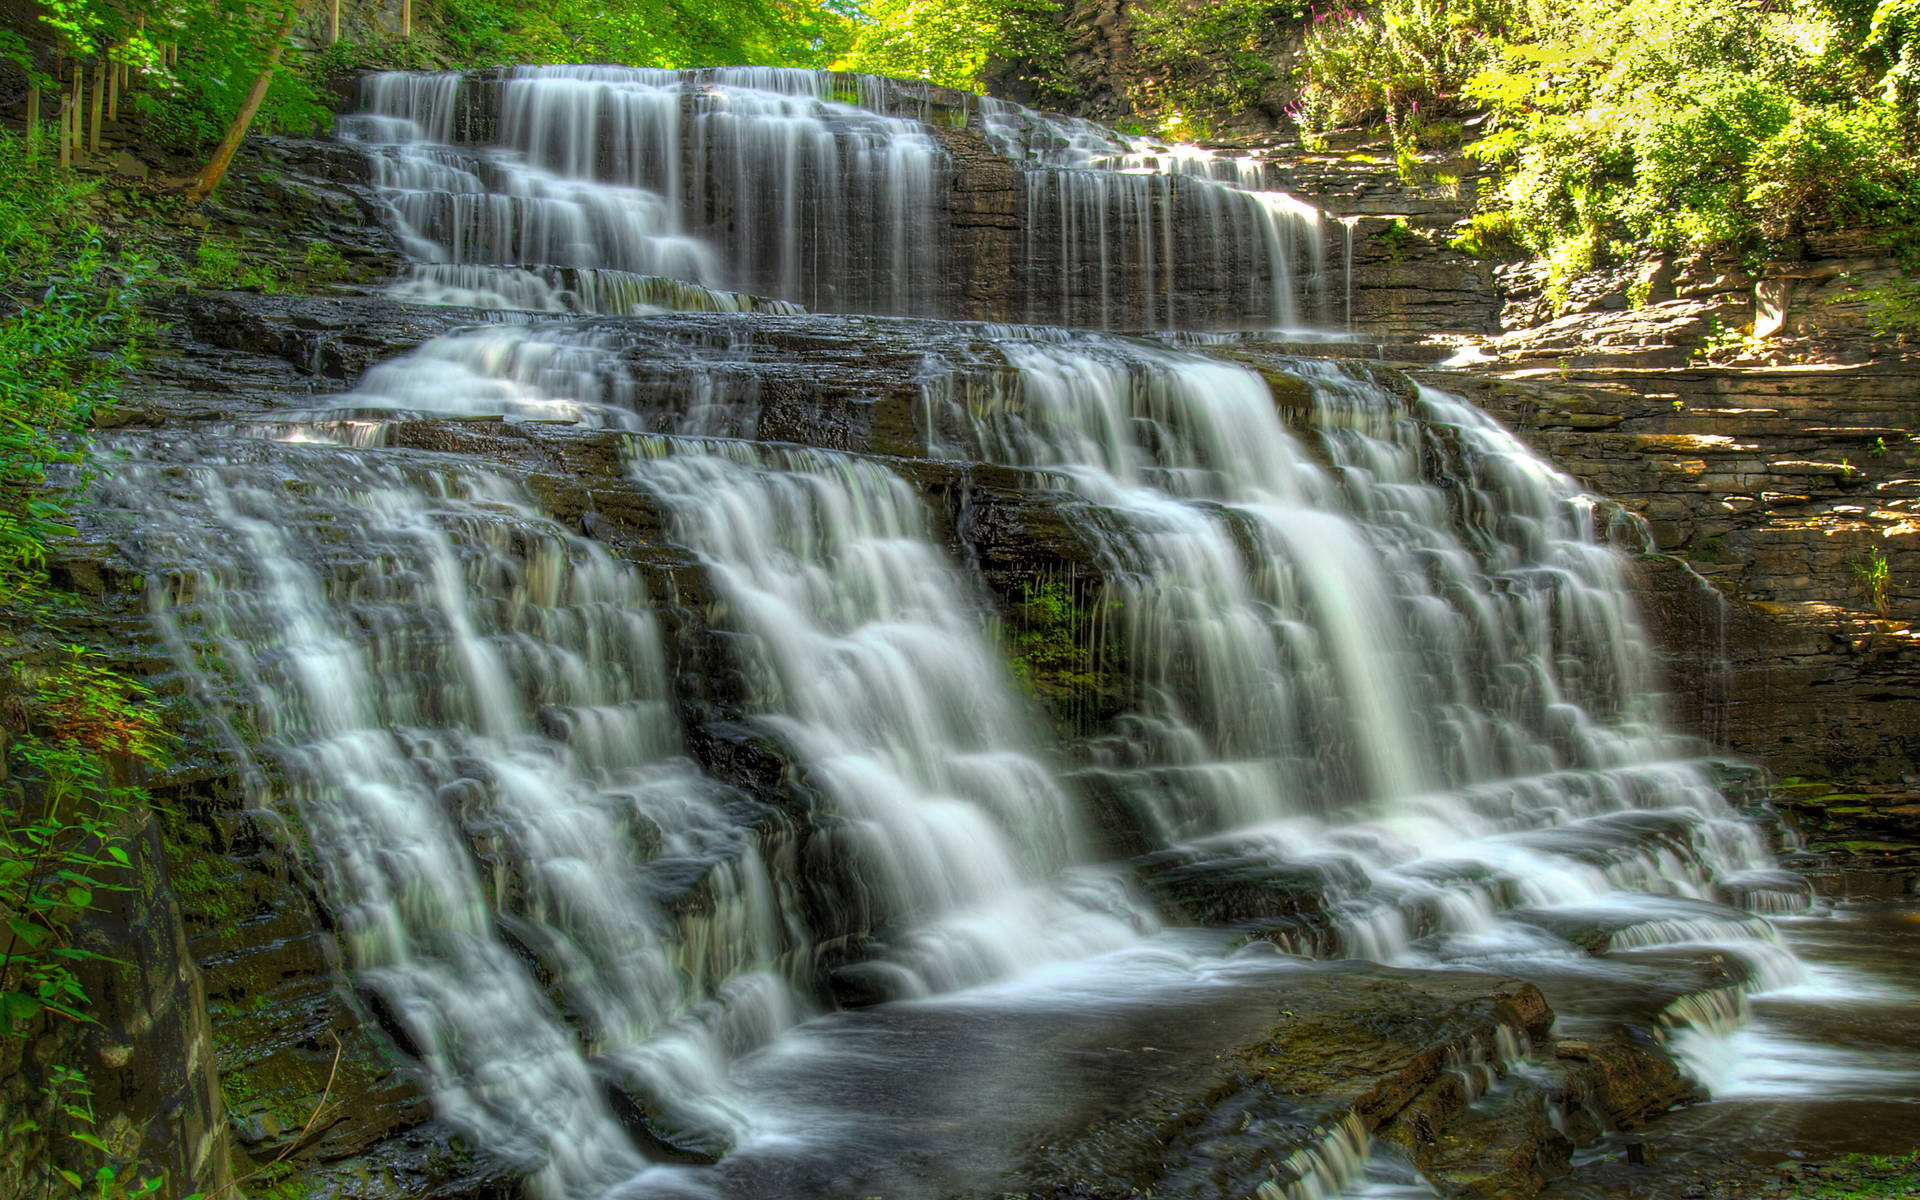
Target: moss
x=1863, y=847
x=1056, y=637
x=1398, y=238
x=1866, y=1177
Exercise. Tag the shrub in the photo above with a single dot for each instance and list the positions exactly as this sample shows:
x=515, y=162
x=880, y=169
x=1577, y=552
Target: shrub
x=1388, y=63
x=1690, y=123
x=1215, y=58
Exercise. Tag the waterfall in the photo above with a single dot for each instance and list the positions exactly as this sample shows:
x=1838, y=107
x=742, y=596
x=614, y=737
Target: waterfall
x=617, y=190
x=1172, y=237
x=1341, y=655
x=873, y=669
x=466, y=709
x=672, y=764
x=590, y=187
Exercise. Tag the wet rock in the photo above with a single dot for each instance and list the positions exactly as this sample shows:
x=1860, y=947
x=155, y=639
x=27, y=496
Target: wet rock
x=1354, y=1044
x=865, y=984
x=660, y=1129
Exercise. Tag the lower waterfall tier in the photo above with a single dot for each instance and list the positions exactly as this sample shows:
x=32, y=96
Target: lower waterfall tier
x=755, y=755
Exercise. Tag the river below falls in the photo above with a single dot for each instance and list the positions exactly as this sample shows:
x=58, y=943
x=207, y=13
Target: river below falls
x=1822, y=1070
x=950, y=1096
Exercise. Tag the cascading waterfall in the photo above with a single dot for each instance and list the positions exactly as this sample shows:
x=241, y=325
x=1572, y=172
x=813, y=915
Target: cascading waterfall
x=877, y=676
x=1149, y=236
x=615, y=190
x=467, y=709
x=607, y=189
x=1360, y=653
x=1341, y=661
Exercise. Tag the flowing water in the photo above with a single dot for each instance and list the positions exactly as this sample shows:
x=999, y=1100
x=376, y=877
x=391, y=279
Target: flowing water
x=1353, y=673
x=605, y=189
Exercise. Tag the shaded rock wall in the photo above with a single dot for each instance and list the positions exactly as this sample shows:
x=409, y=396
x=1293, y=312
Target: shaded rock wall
x=148, y=1058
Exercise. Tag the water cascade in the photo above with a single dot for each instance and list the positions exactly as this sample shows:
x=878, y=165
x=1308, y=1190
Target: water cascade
x=877, y=676
x=601, y=189
x=1339, y=653
x=667, y=778
x=467, y=709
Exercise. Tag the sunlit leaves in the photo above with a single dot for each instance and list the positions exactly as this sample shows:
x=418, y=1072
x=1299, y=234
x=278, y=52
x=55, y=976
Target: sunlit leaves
x=945, y=41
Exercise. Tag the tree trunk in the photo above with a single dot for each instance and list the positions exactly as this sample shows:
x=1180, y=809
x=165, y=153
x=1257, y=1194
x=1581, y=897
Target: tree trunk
x=99, y=98
x=64, y=155
x=33, y=121
x=208, y=179
x=114, y=72
x=333, y=23
x=406, y=18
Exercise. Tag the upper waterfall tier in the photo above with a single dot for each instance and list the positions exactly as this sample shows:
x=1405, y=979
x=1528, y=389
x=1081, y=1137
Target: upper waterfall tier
x=616, y=190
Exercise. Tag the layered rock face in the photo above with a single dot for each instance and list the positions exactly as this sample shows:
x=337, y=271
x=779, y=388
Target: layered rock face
x=585, y=705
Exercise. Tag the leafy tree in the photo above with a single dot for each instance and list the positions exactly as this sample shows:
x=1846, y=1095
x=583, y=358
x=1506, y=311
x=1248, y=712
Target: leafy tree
x=1685, y=123
x=949, y=41
x=646, y=33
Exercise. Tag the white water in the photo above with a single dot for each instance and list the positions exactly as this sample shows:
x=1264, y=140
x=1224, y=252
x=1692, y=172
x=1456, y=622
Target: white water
x=1370, y=653
x=1426, y=689
x=875, y=674
x=615, y=190
x=466, y=709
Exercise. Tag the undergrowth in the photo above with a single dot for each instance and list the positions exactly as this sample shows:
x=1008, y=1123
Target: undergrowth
x=78, y=733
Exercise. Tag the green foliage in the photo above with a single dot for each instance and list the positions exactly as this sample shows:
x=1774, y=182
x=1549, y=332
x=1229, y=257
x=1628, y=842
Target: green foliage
x=1866, y=1177
x=644, y=33
x=1055, y=638
x=62, y=815
x=1689, y=123
x=1675, y=124
x=949, y=41
x=229, y=263
x=1400, y=63
x=69, y=326
x=1875, y=578
x=1488, y=232
x=1219, y=57
x=1398, y=238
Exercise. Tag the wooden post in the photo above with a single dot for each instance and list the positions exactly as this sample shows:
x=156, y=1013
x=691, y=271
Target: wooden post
x=33, y=121
x=65, y=154
x=99, y=98
x=333, y=23
x=77, y=107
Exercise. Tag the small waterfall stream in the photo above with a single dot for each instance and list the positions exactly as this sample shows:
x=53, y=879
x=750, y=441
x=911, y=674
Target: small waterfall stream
x=1359, y=676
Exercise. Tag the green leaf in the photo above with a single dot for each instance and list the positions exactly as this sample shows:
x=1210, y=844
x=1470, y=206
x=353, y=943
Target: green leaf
x=16, y=1007
x=35, y=936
